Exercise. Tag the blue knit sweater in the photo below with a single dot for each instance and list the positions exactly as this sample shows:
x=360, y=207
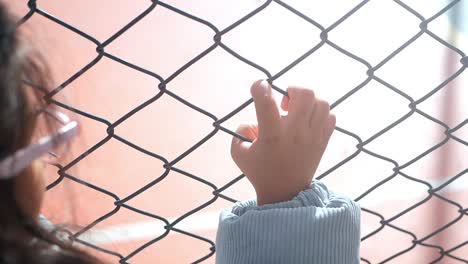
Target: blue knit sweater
x=316, y=227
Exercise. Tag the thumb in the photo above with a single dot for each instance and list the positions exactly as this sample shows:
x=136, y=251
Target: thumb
x=239, y=147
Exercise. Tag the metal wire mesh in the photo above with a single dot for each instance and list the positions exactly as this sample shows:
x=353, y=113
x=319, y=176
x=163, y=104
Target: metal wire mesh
x=461, y=63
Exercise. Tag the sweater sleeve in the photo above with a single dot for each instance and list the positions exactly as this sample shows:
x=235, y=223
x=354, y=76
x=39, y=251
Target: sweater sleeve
x=316, y=227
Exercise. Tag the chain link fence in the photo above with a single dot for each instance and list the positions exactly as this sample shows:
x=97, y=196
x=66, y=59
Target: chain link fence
x=460, y=64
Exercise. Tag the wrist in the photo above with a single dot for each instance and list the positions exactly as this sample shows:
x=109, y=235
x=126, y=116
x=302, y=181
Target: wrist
x=277, y=196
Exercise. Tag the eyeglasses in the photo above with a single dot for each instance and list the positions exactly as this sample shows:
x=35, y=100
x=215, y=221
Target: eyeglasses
x=22, y=158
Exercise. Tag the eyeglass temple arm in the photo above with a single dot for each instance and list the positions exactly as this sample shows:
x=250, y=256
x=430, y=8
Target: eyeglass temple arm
x=15, y=163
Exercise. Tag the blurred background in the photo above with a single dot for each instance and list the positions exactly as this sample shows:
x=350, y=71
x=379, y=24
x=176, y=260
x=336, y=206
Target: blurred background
x=163, y=41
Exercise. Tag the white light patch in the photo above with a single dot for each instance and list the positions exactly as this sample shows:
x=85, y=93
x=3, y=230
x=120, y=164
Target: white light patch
x=146, y=230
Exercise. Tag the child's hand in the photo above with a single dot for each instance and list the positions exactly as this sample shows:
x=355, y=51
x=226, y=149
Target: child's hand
x=286, y=150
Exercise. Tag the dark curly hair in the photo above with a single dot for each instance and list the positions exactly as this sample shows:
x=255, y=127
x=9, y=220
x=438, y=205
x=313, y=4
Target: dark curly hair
x=17, y=124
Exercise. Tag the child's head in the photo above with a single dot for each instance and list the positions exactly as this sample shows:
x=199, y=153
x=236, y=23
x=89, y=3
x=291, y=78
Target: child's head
x=24, y=80
x=19, y=104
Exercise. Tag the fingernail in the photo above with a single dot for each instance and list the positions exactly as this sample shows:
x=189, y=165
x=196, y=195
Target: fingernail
x=265, y=87
x=285, y=103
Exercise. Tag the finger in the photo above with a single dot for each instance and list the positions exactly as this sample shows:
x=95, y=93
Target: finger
x=268, y=115
x=301, y=104
x=320, y=115
x=239, y=147
x=285, y=103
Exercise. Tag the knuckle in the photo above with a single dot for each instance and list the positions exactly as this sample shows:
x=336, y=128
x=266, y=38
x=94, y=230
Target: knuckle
x=325, y=106
x=293, y=91
x=300, y=91
x=309, y=94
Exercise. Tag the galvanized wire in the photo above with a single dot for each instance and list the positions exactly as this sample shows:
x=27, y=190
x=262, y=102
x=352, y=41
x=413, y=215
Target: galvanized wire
x=361, y=143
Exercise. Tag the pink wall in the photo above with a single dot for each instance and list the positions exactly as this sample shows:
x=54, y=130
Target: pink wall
x=162, y=42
